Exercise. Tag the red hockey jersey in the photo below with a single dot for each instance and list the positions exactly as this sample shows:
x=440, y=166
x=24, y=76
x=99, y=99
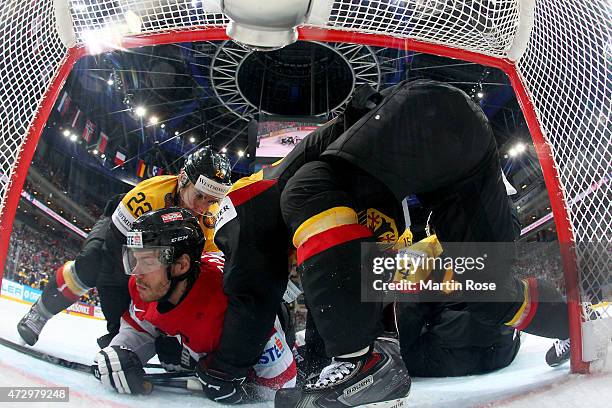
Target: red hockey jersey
x=197, y=322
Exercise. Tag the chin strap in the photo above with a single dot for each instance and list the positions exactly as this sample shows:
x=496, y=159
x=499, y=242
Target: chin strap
x=191, y=275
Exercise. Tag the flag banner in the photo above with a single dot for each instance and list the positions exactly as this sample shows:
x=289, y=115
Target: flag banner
x=64, y=104
x=76, y=117
x=119, y=158
x=151, y=171
x=102, y=142
x=88, y=131
x=140, y=170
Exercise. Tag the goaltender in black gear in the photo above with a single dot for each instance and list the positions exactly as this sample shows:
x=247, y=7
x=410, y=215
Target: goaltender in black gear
x=201, y=184
x=421, y=137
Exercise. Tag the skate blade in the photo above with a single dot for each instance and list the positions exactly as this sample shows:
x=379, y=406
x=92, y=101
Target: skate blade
x=394, y=403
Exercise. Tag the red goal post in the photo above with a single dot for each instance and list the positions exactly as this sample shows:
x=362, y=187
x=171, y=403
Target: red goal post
x=556, y=53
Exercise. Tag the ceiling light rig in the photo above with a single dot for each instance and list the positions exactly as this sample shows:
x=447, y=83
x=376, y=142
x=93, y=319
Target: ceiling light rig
x=140, y=111
x=229, y=58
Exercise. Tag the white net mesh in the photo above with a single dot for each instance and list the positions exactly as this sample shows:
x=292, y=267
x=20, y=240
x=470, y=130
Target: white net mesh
x=487, y=27
x=30, y=54
x=144, y=16
x=567, y=70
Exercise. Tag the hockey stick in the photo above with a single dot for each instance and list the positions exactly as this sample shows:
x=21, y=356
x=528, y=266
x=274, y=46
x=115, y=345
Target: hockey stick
x=155, y=378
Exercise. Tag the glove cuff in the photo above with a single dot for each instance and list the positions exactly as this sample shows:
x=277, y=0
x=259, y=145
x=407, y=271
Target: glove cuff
x=216, y=368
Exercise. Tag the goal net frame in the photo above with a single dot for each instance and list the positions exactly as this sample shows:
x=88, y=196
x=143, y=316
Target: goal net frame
x=43, y=39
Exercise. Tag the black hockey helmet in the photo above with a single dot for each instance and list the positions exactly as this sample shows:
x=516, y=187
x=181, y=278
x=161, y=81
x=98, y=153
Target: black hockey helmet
x=210, y=172
x=165, y=235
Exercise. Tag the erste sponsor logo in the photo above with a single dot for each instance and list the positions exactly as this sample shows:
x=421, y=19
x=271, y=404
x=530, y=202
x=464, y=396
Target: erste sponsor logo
x=273, y=352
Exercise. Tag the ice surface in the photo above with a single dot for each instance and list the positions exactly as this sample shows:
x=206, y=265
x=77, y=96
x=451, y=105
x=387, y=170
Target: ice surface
x=527, y=382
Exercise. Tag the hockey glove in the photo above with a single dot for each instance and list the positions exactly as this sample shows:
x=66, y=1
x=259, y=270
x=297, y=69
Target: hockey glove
x=172, y=355
x=219, y=386
x=120, y=368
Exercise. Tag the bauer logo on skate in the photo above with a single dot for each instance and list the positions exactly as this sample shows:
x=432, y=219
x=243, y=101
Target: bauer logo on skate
x=361, y=385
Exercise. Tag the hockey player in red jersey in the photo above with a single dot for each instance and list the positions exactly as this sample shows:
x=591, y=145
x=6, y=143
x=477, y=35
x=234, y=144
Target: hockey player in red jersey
x=177, y=312
x=202, y=182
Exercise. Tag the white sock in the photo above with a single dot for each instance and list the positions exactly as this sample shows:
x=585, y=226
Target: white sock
x=355, y=354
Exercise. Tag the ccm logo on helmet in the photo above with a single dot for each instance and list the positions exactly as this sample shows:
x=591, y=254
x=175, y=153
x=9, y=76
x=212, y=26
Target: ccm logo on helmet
x=178, y=239
x=175, y=216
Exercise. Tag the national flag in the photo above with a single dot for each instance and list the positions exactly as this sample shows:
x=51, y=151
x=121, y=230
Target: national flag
x=88, y=131
x=76, y=117
x=151, y=171
x=64, y=104
x=140, y=170
x=102, y=143
x=119, y=158
x=158, y=171
x=134, y=79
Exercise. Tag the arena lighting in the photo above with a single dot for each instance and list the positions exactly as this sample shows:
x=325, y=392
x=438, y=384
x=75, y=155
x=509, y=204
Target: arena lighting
x=95, y=151
x=73, y=138
x=265, y=25
x=153, y=120
x=223, y=150
x=111, y=35
x=176, y=133
x=103, y=155
x=163, y=125
x=192, y=139
x=110, y=82
x=140, y=111
x=240, y=153
x=66, y=133
x=480, y=95
x=517, y=149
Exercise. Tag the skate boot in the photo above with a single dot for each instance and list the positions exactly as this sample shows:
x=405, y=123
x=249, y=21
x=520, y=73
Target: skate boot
x=309, y=364
x=377, y=379
x=559, y=353
x=30, y=326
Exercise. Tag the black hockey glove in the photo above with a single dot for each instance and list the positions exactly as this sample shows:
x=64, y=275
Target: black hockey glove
x=219, y=386
x=172, y=355
x=120, y=368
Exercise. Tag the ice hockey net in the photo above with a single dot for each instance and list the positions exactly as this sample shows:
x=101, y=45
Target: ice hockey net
x=557, y=54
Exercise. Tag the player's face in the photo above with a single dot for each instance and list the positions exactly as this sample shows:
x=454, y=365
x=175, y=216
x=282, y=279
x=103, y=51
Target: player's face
x=196, y=202
x=151, y=277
